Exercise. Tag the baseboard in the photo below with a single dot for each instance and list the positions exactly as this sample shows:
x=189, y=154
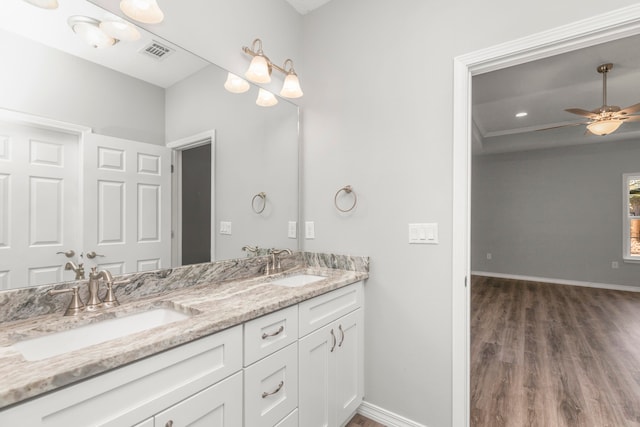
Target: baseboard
x=559, y=281
x=385, y=417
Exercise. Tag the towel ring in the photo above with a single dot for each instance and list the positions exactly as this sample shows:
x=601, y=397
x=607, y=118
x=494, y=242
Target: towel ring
x=348, y=190
x=261, y=195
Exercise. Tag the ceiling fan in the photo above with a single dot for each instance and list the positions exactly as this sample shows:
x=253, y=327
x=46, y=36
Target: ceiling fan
x=608, y=118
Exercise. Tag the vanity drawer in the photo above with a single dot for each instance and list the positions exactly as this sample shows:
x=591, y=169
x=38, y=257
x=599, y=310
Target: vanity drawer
x=271, y=388
x=270, y=333
x=290, y=421
x=324, y=309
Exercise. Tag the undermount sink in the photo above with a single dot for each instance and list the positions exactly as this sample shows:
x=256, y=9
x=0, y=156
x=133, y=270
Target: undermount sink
x=84, y=336
x=298, y=280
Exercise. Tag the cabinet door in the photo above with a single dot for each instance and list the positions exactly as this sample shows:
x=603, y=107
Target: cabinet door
x=349, y=355
x=217, y=406
x=316, y=397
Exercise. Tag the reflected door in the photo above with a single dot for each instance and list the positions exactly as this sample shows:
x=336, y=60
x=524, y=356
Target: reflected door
x=127, y=186
x=39, y=200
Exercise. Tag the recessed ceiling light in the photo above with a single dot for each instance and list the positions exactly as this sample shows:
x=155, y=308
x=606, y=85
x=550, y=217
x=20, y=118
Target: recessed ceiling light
x=521, y=114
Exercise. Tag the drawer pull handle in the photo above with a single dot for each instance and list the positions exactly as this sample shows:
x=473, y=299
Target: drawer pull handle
x=333, y=347
x=341, y=336
x=272, y=334
x=266, y=394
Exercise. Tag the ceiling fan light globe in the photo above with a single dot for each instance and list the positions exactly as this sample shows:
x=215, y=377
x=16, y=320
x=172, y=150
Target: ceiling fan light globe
x=604, y=127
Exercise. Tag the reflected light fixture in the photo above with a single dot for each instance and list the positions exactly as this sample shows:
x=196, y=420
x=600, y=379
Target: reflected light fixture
x=89, y=30
x=235, y=84
x=261, y=67
x=44, y=4
x=266, y=98
x=120, y=30
x=145, y=11
x=604, y=127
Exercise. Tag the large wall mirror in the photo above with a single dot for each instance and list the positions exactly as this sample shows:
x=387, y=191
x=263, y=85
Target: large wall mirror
x=88, y=137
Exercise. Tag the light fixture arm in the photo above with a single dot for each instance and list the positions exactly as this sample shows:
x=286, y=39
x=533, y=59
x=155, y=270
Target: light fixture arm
x=256, y=50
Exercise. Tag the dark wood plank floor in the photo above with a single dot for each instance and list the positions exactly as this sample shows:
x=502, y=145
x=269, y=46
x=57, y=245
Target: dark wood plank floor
x=553, y=355
x=360, y=421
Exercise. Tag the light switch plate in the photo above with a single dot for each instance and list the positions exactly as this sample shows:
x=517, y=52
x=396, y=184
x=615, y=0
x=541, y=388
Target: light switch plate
x=309, y=230
x=225, y=227
x=423, y=233
x=292, y=231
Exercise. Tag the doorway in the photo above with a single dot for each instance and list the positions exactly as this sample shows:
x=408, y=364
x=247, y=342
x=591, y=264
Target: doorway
x=193, y=200
x=606, y=27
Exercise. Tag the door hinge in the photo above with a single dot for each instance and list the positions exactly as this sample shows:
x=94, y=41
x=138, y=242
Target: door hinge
x=465, y=281
x=171, y=168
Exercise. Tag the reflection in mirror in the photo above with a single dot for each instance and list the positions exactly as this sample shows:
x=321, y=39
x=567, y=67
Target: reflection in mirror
x=87, y=139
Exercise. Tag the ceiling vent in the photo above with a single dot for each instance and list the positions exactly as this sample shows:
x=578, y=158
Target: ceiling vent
x=156, y=50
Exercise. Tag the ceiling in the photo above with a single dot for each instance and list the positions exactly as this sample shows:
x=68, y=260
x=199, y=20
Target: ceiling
x=50, y=28
x=305, y=6
x=544, y=88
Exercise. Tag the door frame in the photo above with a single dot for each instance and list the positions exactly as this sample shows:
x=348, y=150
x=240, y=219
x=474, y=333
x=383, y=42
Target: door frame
x=178, y=146
x=617, y=24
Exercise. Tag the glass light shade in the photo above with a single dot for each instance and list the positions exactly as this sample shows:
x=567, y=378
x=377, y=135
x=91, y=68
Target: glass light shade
x=120, y=30
x=266, y=98
x=235, y=84
x=44, y=4
x=258, y=71
x=88, y=29
x=604, y=127
x=291, y=87
x=145, y=11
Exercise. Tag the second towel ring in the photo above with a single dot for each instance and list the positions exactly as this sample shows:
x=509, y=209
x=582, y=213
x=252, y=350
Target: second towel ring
x=260, y=195
x=348, y=190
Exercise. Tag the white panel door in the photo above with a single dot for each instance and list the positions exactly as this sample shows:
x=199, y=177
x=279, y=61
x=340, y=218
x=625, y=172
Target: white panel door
x=127, y=193
x=349, y=354
x=39, y=204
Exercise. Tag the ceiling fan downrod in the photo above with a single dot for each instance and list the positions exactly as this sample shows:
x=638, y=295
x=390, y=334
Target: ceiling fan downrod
x=604, y=69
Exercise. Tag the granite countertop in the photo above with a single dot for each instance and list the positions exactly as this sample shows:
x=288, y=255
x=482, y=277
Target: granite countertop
x=213, y=306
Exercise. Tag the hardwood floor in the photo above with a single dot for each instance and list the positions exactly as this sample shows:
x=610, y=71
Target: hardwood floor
x=553, y=355
x=360, y=421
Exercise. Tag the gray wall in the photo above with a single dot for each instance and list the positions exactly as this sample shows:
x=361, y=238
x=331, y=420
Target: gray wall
x=46, y=82
x=391, y=142
x=553, y=213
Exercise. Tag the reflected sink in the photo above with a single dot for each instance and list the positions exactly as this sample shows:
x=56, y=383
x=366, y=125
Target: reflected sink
x=61, y=342
x=298, y=280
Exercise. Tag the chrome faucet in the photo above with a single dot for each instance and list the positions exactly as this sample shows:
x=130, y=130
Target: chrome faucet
x=275, y=261
x=78, y=269
x=94, y=301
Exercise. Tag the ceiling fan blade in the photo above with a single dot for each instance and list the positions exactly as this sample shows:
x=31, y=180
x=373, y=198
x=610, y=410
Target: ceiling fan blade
x=632, y=118
x=564, y=126
x=630, y=110
x=581, y=112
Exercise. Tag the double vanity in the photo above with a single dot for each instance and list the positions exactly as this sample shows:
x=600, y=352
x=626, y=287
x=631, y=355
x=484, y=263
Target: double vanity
x=210, y=344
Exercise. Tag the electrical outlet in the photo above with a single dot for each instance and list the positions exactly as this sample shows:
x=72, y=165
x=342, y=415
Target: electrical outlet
x=292, y=231
x=225, y=227
x=489, y=256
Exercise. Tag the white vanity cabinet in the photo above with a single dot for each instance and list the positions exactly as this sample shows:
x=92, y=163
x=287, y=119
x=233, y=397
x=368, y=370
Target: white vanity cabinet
x=331, y=355
x=144, y=389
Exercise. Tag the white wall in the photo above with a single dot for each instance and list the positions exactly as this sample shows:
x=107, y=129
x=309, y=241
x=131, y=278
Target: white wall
x=46, y=82
x=553, y=213
x=377, y=77
x=377, y=115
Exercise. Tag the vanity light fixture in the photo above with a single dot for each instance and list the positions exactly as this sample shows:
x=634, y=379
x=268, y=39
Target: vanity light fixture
x=44, y=4
x=145, y=11
x=266, y=98
x=89, y=30
x=235, y=84
x=120, y=30
x=261, y=67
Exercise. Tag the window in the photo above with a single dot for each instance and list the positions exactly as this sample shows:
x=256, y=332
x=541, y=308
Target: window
x=631, y=217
